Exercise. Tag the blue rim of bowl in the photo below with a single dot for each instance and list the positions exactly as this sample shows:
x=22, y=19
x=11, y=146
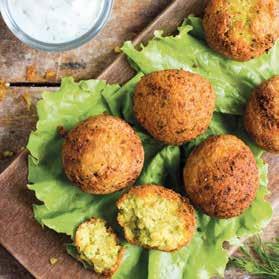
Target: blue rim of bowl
x=28, y=40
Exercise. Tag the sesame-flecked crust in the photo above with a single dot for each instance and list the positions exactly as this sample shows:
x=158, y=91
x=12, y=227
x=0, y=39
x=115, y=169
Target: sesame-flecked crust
x=187, y=212
x=174, y=106
x=262, y=115
x=241, y=29
x=221, y=176
x=110, y=272
x=102, y=155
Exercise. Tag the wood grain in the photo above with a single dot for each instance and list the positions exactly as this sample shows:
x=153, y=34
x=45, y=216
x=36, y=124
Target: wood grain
x=17, y=119
x=10, y=268
x=21, y=235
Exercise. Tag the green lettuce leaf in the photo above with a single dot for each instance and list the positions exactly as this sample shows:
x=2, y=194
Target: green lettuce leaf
x=232, y=81
x=63, y=206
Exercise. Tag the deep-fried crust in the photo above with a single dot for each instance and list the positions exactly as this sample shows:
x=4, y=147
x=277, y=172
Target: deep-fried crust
x=262, y=115
x=221, y=176
x=174, y=106
x=185, y=212
x=102, y=155
x=241, y=29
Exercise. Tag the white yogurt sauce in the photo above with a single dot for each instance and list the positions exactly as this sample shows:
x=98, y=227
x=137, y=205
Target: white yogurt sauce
x=55, y=21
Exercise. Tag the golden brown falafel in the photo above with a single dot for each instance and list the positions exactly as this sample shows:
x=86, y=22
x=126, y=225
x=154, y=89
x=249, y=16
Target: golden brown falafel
x=102, y=155
x=174, y=106
x=98, y=246
x=261, y=118
x=241, y=29
x=221, y=176
x=156, y=217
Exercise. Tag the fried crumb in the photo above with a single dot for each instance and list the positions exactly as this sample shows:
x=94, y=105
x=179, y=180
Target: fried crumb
x=53, y=260
x=3, y=89
x=7, y=154
x=50, y=75
x=117, y=49
x=27, y=99
x=31, y=73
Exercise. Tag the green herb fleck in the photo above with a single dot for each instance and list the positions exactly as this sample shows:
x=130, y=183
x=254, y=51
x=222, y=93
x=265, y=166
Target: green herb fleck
x=261, y=259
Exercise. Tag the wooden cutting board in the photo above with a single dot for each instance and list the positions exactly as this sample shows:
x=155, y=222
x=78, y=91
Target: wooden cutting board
x=21, y=235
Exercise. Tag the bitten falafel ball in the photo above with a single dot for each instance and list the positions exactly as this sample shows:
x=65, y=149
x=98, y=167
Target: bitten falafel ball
x=98, y=246
x=174, y=106
x=156, y=217
x=102, y=155
x=221, y=176
x=261, y=119
x=241, y=29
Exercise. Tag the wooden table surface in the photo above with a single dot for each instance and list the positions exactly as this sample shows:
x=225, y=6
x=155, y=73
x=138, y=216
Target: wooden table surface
x=30, y=72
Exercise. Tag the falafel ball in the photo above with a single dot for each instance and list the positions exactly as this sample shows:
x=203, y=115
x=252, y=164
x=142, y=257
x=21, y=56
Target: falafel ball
x=156, y=217
x=174, y=106
x=98, y=246
x=102, y=155
x=241, y=30
x=261, y=118
x=221, y=176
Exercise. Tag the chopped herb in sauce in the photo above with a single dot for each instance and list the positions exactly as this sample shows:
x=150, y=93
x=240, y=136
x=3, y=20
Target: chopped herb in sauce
x=55, y=21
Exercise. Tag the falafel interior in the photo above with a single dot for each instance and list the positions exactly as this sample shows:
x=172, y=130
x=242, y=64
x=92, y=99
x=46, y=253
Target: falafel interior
x=155, y=217
x=98, y=246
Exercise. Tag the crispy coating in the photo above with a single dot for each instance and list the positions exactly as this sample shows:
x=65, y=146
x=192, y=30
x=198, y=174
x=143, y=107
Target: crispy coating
x=102, y=155
x=262, y=115
x=241, y=29
x=174, y=106
x=155, y=217
x=99, y=246
x=221, y=176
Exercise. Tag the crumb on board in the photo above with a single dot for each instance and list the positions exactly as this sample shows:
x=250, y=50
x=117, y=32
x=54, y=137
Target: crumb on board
x=26, y=96
x=31, y=73
x=50, y=75
x=3, y=89
x=53, y=260
x=7, y=154
x=117, y=49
